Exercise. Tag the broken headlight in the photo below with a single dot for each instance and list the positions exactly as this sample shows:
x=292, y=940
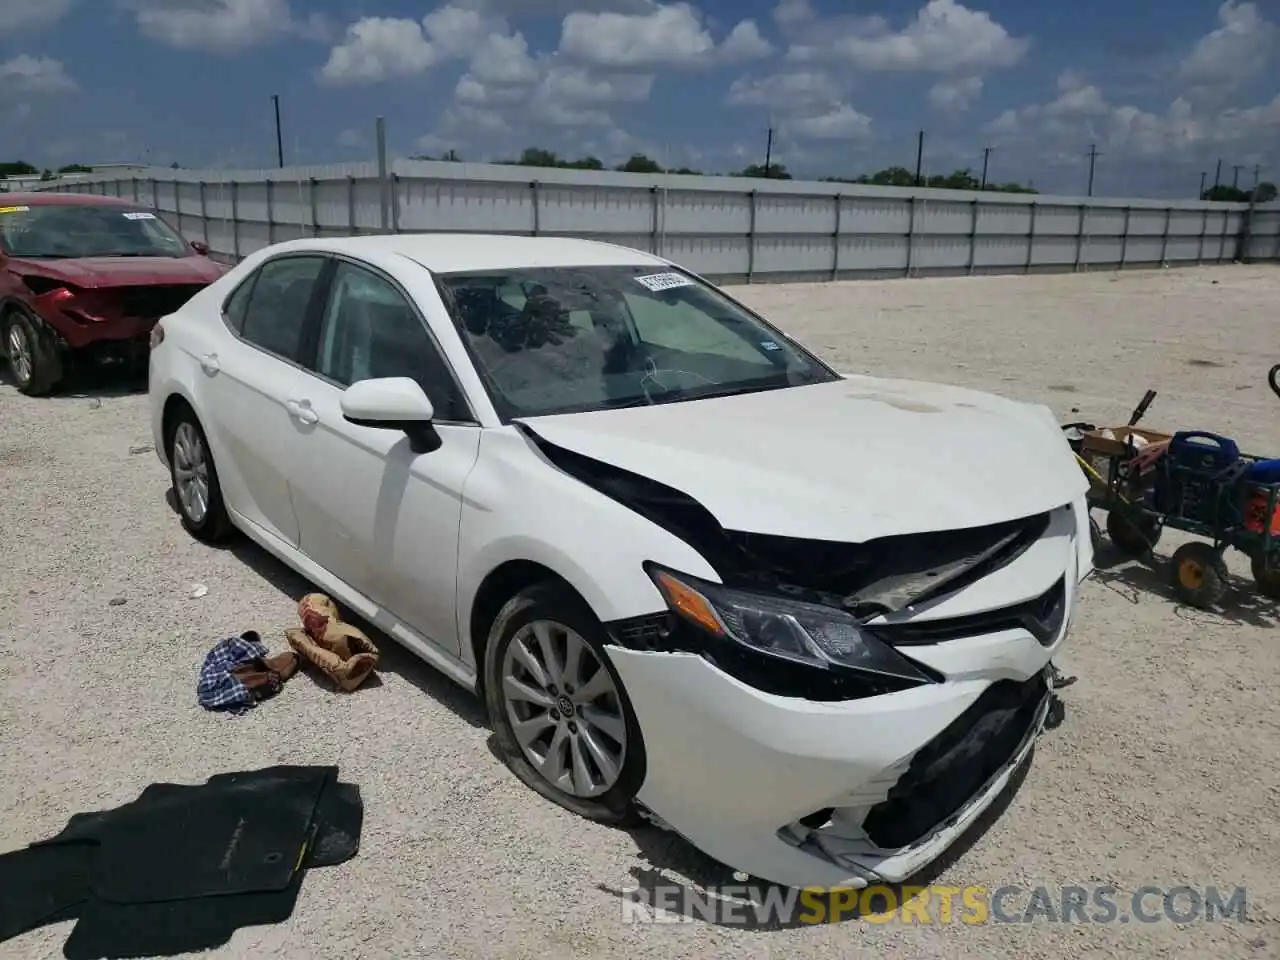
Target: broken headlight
x=790, y=630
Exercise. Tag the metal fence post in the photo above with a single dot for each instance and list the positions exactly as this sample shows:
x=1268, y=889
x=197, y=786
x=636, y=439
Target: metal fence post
x=235, y=220
x=315, y=209
x=351, y=206
x=1124, y=237
x=973, y=235
x=385, y=207
x=537, y=214
x=653, y=219
x=395, y=203
x=204, y=214
x=835, y=238
x=1031, y=239
x=155, y=194
x=751, y=237
x=135, y=189
x=1164, y=243
x=271, y=211
x=177, y=205
x=911, y=234
x=1222, y=239
x=1080, y=236
x=1204, y=230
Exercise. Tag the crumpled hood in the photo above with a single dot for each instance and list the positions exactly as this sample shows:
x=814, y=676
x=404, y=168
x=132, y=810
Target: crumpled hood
x=848, y=461
x=94, y=272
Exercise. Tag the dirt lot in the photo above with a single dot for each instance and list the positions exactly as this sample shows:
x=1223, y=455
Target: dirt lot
x=1165, y=772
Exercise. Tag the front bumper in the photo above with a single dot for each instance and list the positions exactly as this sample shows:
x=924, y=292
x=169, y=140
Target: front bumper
x=736, y=771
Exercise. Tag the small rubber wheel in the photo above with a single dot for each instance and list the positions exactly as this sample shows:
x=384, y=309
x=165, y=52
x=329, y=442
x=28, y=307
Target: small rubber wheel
x=33, y=360
x=1134, y=537
x=195, y=480
x=1198, y=575
x=563, y=722
x=1266, y=579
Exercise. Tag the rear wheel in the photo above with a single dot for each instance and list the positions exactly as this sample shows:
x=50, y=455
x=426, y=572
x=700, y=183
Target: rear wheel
x=33, y=360
x=195, y=480
x=1199, y=575
x=1266, y=576
x=1135, y=535
x=563, y=722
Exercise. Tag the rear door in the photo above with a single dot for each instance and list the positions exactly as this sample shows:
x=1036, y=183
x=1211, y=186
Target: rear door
x=248, y=383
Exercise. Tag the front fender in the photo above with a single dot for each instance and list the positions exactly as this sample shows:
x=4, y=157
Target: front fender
x=517, y=506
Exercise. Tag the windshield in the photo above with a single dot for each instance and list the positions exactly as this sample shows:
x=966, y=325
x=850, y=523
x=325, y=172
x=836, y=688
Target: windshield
x=68, y=231
x=572, y=339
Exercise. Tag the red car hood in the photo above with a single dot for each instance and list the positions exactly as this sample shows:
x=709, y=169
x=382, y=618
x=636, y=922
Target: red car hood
x=92, y=272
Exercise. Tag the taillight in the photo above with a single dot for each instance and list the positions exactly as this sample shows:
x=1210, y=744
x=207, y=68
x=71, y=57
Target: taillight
x=157, y=335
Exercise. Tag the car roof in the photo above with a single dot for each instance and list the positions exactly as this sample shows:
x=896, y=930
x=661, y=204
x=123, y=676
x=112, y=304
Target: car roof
x=51, y=199
x=459, y=252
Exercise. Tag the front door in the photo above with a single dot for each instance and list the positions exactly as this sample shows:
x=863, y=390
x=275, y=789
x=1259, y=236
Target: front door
x=377, y=515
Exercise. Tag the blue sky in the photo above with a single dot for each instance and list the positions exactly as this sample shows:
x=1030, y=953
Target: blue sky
x=1164, y=89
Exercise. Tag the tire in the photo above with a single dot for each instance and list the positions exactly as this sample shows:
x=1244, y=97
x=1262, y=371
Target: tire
x=1266, y=580
x=188, y=453
x=1134, y=537
x=33, y=360
x=1198, y=575
x=561, y=616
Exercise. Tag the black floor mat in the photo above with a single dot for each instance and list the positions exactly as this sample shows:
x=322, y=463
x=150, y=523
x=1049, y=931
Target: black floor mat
x=182, y=867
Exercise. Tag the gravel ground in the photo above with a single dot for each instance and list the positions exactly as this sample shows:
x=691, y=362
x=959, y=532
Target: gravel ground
x=1164, y=773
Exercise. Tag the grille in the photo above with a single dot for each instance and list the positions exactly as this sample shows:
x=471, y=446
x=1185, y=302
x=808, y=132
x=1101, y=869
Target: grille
x=154, y=302
x=946, y=773
x=1041, y=617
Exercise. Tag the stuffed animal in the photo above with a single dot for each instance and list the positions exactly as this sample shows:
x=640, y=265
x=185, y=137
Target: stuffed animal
x=338, y=650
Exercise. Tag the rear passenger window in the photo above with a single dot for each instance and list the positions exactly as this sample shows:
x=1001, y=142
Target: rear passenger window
x=233, y=311
x=277, y=305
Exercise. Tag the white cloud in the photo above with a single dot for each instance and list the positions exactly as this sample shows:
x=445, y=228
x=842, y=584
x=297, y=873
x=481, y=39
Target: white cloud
x=791, y=12
x=671, y=35
x=944, y=37
x=1238, y=51
x=840, y=123
x=352, y=139
x=955, y=94
x=375, y=49
x=791, y=89
x=222, y=26
x=30, y=14
x=25, y=75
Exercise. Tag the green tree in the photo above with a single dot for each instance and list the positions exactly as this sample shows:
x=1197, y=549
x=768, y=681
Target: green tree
x=17, y=168
x=1225, y=193
x=639, y=163
x=75, y=168
x=775, y=171
x=1265, y=192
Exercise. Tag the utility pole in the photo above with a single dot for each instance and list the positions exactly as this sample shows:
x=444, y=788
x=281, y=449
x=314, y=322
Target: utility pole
x=1203, y=175
x=1257, y=171
x=919, y=157
x=768, y=154
x=1235, y=175
x=275, y=100
x=986, y=155
x=1093, y=159
x=1217, y=175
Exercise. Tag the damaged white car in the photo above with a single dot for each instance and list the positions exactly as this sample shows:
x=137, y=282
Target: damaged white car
x=803, y=619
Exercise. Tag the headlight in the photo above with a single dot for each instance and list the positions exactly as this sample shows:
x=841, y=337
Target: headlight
x=792, y=630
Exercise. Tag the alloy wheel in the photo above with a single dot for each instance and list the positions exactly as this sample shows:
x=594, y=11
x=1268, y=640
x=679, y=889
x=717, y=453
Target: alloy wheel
x=191, y=472
x=19, y=350
x=564, y=709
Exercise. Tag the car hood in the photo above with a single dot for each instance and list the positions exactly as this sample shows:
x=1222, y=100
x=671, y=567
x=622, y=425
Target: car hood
x=851, y=460
x=94, y=272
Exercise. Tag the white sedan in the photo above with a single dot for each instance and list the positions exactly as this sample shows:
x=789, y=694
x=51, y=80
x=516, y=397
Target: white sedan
x=803, y=619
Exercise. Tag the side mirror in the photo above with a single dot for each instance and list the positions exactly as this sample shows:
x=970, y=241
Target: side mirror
x=392, y=403
x=200, y=247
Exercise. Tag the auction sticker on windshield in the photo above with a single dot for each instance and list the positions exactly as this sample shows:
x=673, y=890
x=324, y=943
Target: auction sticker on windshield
x=138, y=215
x=664, y=281
x=14, y=209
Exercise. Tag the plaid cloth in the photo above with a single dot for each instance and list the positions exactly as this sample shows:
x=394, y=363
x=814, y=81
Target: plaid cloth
x=217, y=688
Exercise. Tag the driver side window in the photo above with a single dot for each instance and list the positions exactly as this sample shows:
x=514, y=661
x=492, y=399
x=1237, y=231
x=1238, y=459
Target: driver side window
x=680, y=326
x=370, y=330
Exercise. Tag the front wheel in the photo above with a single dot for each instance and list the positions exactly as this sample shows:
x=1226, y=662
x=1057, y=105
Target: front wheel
x=563, y=722
x=1199, y=575
x=195, y=481
x=33, y=361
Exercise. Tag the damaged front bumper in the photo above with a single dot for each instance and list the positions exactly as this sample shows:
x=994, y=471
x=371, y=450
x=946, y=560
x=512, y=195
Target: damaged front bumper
x=854, y=792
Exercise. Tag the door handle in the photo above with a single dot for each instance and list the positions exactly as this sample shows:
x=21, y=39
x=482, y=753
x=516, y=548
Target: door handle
x=209, y=363
x=301, y=410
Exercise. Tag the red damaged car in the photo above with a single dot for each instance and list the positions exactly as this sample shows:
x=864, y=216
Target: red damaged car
x=86, y=277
